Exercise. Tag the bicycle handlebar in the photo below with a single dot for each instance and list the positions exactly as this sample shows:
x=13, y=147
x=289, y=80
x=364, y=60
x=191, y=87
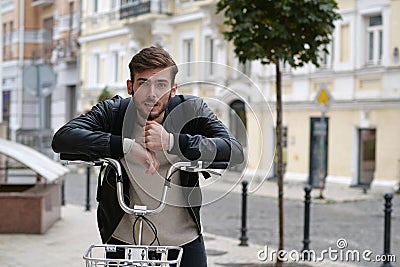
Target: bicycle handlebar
x=191, y=166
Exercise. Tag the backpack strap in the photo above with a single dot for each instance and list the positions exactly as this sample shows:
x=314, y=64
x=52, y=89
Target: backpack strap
x=175, y=101
x=123, y=105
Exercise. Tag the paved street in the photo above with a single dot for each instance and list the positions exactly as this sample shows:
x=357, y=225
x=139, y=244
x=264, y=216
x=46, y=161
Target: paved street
x=359, y=222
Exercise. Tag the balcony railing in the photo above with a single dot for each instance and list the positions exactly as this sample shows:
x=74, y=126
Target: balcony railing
x=134, y=8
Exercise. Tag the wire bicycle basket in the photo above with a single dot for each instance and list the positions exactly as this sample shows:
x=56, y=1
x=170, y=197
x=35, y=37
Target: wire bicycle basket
x=134, y=256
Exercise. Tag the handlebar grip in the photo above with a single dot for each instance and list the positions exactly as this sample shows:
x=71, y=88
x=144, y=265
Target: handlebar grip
x=217, y=165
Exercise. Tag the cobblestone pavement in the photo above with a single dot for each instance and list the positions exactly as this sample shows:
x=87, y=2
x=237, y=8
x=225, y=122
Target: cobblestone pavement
x=360, y=223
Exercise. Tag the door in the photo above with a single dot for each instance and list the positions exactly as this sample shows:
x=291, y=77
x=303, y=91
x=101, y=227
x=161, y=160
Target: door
x=318, y=170
x=237, y=126
x=366, y=158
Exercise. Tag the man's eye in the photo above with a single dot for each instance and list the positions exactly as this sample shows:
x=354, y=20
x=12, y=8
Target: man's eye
x=144, y=84
x=161, y=85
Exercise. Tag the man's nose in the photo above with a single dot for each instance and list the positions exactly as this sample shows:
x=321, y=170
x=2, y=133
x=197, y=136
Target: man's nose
x=151, y=92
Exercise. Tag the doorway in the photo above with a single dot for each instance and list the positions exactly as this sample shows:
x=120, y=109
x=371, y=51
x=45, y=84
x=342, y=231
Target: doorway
x=366, y=156
x=238, y=125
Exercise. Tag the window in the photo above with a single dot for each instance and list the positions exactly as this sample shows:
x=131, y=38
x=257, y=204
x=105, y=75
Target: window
x=94, y=69
x=345, y=43
x=374, y=39
x=245, y=68
x=70, y=25
x=48, y=26
x=210, y=54
x=188, y=56
x=10, y=35
x=6, y=105
x=4, y=33
x=71, y=14
x=325, y=55
x=4, y=40
x=115, y=59
x=114, y=4
x=97, y=68
x=95, y=6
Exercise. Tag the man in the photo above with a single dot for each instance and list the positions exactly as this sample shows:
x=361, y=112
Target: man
x=146, y=133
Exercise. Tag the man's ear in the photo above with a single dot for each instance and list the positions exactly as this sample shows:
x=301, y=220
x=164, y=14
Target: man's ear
x=173, y=90
x=129, y=87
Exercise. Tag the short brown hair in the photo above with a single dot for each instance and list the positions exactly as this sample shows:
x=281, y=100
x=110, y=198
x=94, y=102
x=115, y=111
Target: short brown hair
x=151, y=58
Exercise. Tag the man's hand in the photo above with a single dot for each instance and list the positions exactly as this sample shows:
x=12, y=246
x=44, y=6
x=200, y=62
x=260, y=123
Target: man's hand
x=155, y=137
x=145, y=158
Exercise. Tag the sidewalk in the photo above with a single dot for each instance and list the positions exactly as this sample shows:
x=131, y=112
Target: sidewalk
x=64, y=244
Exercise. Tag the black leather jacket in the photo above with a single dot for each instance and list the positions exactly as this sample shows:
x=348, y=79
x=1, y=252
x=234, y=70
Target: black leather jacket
x=198, y=134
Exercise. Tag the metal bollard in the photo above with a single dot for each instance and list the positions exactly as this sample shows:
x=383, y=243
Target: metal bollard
x=88, y=169
x=386, y=243
x=63, y=192
x=307, y=202
x=243, y=238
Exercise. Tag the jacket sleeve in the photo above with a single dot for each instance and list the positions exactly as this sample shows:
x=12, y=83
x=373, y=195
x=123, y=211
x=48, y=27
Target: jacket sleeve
x=90, y=134
x=206, y=137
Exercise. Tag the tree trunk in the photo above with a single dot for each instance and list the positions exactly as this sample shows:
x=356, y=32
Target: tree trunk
x=279, y=153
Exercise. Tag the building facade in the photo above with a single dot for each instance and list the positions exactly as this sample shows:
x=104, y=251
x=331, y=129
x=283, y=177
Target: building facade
x=361, y=74
x=39, y=50
x=112, y=32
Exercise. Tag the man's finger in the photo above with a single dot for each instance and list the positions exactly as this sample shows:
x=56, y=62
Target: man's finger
x=151, y=122
x=146, y=130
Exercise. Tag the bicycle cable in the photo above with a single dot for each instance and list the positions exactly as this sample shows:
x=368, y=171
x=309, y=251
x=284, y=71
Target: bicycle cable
x=150, y=225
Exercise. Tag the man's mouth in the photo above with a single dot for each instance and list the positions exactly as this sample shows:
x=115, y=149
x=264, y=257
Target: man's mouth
x=150, y=105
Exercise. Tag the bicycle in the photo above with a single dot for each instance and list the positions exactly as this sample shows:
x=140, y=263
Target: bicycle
x=138, y=254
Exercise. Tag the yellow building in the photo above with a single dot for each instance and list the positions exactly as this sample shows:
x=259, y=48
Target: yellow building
x=362, y=73
x=113, y=32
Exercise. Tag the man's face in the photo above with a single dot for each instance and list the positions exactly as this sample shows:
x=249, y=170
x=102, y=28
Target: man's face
x=152, y=91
